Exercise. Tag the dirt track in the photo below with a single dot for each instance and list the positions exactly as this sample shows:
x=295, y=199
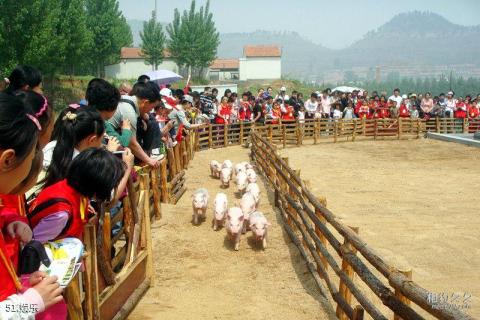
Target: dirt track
x=416, y=203
x=199, y=276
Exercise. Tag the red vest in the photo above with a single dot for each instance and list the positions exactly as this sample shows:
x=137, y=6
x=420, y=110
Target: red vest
x=472, y=112
x=12, y=208
x=404, y=113
x=8, y=286
x=76, y=208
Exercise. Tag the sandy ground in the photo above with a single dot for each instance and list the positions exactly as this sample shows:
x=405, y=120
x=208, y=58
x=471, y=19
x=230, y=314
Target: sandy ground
x=416, y=203
x=199, y=276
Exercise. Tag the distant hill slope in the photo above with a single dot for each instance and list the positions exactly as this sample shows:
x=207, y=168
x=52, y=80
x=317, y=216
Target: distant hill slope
x=408, y=39
x=415, y=38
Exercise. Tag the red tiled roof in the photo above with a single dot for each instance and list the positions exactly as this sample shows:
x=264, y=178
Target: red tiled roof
x=262, y=51
x=136, y=53
x=225, y=64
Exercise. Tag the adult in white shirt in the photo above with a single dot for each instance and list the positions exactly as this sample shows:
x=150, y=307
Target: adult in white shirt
x=282, y=95
x=396, y=97
x=311, y=106
x=326, y=104
x=451, y=105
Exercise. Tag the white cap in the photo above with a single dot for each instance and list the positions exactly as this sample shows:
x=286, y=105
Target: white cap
x=188, y=98
x=450, y=93
x=167, y=106
x=283, y=89
x=404, y=96
x=166, y=92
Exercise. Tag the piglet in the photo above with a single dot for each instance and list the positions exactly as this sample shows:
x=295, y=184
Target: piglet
x=248, y=206
x=242, y=182
x=199, y=205
x=215, y=169
x=239, y=168
x=226, y=176
x=259, y=226
x=227, y=164
x=234, y=225
x=254, y=189
x=251, y=176
x=221, y=207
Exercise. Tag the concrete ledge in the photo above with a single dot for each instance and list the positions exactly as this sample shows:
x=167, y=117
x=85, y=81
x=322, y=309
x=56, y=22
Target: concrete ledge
x=466, y=139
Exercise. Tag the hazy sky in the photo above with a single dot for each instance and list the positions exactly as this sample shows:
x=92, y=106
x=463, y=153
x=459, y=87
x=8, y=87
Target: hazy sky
x=334, y=24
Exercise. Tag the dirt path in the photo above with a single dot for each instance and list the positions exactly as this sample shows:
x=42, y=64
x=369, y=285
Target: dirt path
x=416, y=203
x=199, y=276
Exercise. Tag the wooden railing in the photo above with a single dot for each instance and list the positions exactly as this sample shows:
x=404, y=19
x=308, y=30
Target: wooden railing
x=296, y=132
x=336, y=255
x=119, y=263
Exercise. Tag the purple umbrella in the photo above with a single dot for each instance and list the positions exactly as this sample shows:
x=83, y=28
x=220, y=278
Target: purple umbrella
x=161, y=77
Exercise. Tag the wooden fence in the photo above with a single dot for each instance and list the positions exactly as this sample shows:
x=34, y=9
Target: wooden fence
x=334, y=251
x=296, y=132
x=119, y=263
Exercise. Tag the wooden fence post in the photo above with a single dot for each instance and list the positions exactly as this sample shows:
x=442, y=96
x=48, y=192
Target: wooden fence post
x=465, y=125
x=270, y=134
x=358, y=313
x=72, y=295
x=241, y=132
x=163, y=181
x=171, y=163
x=364, y=128
x=376, y=130
x=335, y=131
x=399, y=133
x=92, y=302
x=284, y=136
x=348, y=271
x=319, y=233
x=437, y=124
x=354, y=129
x=315, y=130
x=419, y=128
x=209, y=136
x=225, y=135
x=157, y=193
x=407, y=273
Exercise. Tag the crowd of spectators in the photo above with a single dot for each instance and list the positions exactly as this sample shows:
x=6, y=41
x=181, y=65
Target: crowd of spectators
x=266, y=107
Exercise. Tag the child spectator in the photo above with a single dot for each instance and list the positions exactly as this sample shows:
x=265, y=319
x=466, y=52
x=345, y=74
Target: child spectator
x=403, y=111
x=364, y=110
x=337, y=114
x=74, y=133
x=461, y=111
x=301, y=115
x=349, y=113
x=311, y=106
x=18, y=138
x=24, y=78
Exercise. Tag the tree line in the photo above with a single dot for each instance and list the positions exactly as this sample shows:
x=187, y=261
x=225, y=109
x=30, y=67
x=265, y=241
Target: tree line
x=62, y=36
x=191, y=39
x=81, y=37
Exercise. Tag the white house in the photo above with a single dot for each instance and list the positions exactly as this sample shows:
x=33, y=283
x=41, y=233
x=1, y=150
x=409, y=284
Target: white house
x=258, y=63
x=261, y=62
x=132, y=64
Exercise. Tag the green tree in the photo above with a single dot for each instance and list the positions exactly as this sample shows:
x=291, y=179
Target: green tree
x=194, y=39
x=30, y=32
x=153, y=41
x=77, y=37
x=110, y=33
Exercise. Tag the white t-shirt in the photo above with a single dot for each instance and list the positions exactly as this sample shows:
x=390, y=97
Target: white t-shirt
x=48, y=154
x=326, y=104
x=398, y=100
x=311, y=107
x=337, y=114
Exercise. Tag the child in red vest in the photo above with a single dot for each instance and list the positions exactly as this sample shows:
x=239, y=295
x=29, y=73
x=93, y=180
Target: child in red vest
x=18, y=139
x=473, y=111
x=403, y=111
x=461, y=111
x=364, y=110
x=61, y=209
x=289, y=114
x=276, y=113
x=14, y=204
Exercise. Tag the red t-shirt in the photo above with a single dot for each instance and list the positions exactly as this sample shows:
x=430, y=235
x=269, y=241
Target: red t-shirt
x=404, y=112
x=472, y=112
